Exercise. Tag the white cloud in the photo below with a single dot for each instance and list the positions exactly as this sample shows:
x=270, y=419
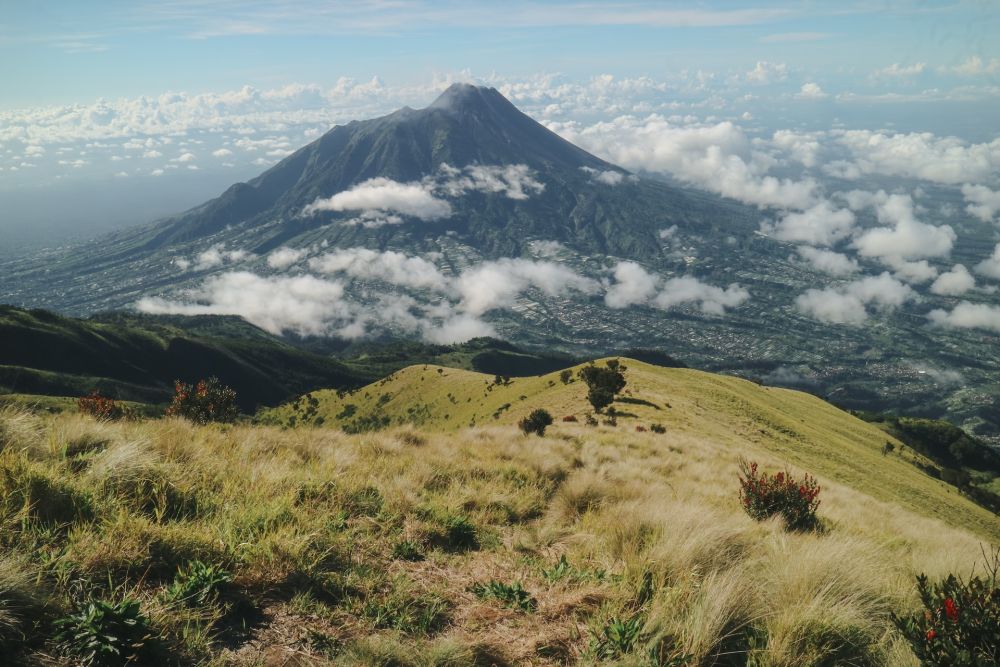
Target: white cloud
x=821, y=224
x=607, y=177
x=975, y=66
x=217, y=256
x=719, y=157
x=982, y=202
x=150, y=154
x=284, y=257
x=811, y=91
x=496, y=284
x=923, y=155
x=389, y=266
x=222, y=152
x=184, y=157
x=765, y=72
x=386, y=195
x=956, y=282
x=907, y=238
x=967, y=315
x=515, y=181
x=896, y=70
x=33, y=151
x=635, y=286
x=828, y=261
x=848, y=304
x=990, y=267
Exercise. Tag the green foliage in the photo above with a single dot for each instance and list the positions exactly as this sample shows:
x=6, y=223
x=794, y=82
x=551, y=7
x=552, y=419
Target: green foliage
x=199, y=584
x=408, y=550
x=764, y=496
x=959, y=624
x=106, y=634
x=207, y=401
x=405, y=611
x=536, y=422
x=658, y=428
x=617, y=638
x=509, y=595
x=566, y=376
x=603, y=382
x=563, y=570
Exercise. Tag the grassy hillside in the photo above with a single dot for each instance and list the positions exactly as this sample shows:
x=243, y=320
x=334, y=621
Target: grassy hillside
x=445, y=545
x=138, y=357
x=787, y=425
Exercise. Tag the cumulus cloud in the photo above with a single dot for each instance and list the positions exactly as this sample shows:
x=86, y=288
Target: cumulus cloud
x=828, y=261
x=633, y=285
x=380, y=198
x=956, y=282
x=976, y=66
x=284, y=257
x=719, y=157
x=848, y=304
x=967, y=315
x=607, y=177
x=217, y=255
x=907, y=238
x=389, y=266
x=385, y=195
x=821, y=224
x=896, y=70
x=990, y=267
x=222, y=152
x=496, y=284
x=765, y=72
x=922, y=155
x=982, y=202
x=184, y=157
x=811, y=91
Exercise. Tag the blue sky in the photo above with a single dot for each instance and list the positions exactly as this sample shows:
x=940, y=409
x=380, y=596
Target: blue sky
x=66, y=52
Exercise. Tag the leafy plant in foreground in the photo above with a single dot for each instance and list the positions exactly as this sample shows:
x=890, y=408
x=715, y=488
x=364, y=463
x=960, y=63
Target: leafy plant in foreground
x=617, y=638
x=959, y=625
x=106, y=634
x=199, y=583
x=510, y=595
x=764, y=496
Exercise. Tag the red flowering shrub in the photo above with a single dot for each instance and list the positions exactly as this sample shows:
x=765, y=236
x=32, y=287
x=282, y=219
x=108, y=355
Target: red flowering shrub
x=207, y=401
x=960, y=622
x=104, y=408
x=569, y=418
x=765, y=495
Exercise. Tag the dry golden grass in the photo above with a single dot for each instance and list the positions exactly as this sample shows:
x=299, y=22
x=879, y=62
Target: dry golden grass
x=310, y=521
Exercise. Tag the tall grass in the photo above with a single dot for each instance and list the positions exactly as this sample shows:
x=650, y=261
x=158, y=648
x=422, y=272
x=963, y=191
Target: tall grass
x=308, y=524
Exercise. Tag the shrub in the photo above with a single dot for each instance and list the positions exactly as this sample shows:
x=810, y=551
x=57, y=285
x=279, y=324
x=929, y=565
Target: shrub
x=536, y=422
x=960, y=622
x=103, y=408
x=207, y=401
x=765, y=495
x=569, y=418
x=603, y=383
x=658, y=428
x=509, y=595
x=566, y=376
x=104, y=633
x=199, y=584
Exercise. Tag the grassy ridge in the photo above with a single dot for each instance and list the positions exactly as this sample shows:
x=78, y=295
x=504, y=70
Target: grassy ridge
x=791, y=426
x=474, y=546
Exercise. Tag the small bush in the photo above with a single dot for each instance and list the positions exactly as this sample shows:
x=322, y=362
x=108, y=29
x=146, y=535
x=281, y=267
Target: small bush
x=207, y=401
x=199, y=584
x=104, y=633
x=570, y=418
x=603, y=383
x=536, y=422
x=658, y=428
x=103, y=408
x=765, y=495
x=509, y=595
x=960, y=622
x=566, y=376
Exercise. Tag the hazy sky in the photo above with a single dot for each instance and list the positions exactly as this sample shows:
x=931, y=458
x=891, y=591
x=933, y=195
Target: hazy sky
x=114, y=112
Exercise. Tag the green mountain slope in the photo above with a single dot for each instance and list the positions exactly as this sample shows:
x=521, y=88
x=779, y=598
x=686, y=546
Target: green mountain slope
x=138, y=358
x=734, y=414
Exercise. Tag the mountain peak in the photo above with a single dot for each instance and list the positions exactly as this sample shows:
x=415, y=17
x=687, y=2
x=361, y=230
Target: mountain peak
x=460, y=97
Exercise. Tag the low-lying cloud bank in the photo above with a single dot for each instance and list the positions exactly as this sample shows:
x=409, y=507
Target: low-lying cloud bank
x=349, y=298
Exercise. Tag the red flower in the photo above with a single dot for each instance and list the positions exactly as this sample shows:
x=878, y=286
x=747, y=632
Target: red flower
x=950, y=609
x=931, y=634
